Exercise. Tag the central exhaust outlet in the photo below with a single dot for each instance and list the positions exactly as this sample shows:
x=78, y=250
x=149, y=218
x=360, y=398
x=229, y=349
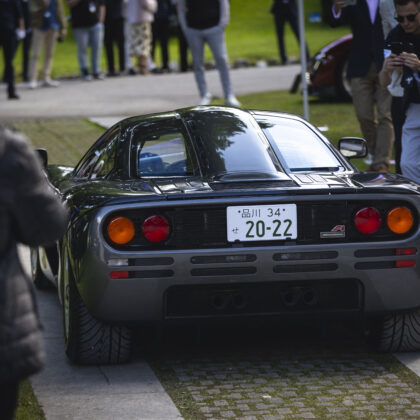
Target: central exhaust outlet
x=290, y=297
x=235, y=301
x=239, y=301
x=310, y=297
x=220, y=302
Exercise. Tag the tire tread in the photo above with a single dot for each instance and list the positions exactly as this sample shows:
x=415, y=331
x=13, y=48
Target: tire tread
x=93, y=342
x=400, y=331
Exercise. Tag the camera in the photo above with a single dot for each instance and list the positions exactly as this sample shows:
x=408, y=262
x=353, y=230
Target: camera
x=396, y=48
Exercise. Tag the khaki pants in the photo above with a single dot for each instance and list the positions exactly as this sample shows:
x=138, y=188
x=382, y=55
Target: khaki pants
x=39, y=38
x=367, y=92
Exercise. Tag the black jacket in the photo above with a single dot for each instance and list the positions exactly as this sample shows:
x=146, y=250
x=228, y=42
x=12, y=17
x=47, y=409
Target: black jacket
x=279, y=7
x=32, y=215
x=368, y=39
x=203, y=14
x=10, y=13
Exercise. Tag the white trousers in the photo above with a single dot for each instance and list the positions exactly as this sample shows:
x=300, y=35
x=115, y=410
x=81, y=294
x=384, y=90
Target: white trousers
x=39, y=39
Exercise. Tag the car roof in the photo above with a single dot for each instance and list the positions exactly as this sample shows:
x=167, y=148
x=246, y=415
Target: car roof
x=197, y=110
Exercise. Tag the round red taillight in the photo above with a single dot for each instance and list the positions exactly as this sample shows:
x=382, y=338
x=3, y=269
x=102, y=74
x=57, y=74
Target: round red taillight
x=367, y=220
x=155, y=228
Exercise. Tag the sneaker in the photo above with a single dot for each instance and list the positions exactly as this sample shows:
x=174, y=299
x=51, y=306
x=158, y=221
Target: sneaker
x=50, y=83
x=32, y=84
x=368, y=160
x=85, y=75
x=206, y=99
x=232, y=101
x=98, y=76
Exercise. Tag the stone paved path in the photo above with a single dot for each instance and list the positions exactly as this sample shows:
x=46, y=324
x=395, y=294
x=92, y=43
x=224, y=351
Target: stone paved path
x=303, y=381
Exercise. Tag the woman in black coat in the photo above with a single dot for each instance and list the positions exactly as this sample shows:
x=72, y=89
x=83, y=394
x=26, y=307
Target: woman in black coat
x=29, y=214
x=286, y=11
x=12, y=27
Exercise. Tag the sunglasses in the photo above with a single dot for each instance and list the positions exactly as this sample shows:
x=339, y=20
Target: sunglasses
x=410, y=18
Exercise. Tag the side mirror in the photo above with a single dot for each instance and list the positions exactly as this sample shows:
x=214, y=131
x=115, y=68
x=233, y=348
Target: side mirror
x=353, y=147
x=43, y=156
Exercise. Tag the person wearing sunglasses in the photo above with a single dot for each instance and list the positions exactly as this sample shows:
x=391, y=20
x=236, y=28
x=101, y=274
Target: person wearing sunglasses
x=388, y=15
x=372, y=102
x=402, y=51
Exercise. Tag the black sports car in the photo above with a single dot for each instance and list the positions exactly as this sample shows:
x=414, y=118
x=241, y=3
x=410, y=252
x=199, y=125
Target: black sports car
x=214, y=212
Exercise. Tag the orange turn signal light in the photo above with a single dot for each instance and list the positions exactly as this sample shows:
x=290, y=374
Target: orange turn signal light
x=121, y=230
x=400, y=220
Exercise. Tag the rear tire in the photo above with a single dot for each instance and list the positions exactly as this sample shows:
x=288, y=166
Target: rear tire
x=38, y=277
x=342, y=83
x=89, y=341
x=399, y=332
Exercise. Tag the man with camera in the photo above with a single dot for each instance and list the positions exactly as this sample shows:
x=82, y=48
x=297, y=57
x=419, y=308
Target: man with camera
x=365, y=61
x=402, y=56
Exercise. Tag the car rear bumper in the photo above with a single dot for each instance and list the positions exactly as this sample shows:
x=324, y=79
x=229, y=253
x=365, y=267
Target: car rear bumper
x=280, y=280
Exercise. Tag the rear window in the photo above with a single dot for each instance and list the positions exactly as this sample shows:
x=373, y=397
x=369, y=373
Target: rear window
x=161, y=150
x=297, y=146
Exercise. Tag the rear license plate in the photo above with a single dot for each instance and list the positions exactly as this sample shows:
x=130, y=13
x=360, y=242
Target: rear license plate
x=261, y=223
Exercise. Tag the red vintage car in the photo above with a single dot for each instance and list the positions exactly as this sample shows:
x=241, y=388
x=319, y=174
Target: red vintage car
x=327, y=71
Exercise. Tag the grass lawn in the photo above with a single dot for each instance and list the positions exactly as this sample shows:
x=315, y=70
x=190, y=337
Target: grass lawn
x=28, y=407
x=250, y=35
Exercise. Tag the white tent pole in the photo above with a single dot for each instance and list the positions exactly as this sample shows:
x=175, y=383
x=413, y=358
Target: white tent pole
x=303, y=60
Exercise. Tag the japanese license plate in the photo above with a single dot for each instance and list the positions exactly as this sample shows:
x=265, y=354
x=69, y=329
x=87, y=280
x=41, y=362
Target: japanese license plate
x=261, y=223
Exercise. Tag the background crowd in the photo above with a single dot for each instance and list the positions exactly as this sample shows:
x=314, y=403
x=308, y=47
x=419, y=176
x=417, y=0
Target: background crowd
x=131, y=27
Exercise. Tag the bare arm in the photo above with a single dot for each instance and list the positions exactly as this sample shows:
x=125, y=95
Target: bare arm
x=224, y=13
x=411, y=60
x=181, y=10
x=102, y=11
x=338, y=5
x=73, y=3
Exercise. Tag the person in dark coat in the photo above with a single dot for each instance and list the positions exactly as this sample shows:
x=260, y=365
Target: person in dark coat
x=12, y=28
x=26, y=42
x=160, y=31
x=114, y=33
x=29, y=214
x=365, y=60
x=286, y=11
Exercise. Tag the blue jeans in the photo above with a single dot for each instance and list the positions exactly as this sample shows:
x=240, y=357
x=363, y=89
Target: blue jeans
x=215, y=38
x=92, y=37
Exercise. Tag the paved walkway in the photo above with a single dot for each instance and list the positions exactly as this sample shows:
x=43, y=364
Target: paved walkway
x=68, y=392
x=134, y=95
